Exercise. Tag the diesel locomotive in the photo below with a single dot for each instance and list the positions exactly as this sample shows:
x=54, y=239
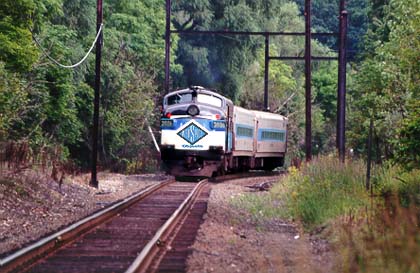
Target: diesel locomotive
x=204, y=134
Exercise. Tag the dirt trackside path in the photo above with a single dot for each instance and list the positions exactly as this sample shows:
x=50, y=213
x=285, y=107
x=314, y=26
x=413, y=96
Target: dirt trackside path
x=228, y=241
x=32, y=205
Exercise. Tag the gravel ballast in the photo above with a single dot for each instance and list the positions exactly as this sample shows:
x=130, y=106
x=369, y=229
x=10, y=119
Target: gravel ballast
x=230, y=241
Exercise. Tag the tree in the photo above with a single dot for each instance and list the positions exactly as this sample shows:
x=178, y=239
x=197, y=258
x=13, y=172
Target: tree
x=16, y=48
x=48, y=105
x=408, y=144
x=13, y=101
x=222, y=61
x=325, y=14
x=388, y=83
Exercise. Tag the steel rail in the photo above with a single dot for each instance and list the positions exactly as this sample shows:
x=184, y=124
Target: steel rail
x=145, y=256
x=28, y=255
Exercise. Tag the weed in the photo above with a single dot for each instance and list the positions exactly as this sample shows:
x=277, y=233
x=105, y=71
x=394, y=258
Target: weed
x=388, y=241
x=374, y=233
x=323, y=190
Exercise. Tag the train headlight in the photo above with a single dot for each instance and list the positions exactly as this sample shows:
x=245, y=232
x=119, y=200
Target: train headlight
x=193, y=110
x=218, y=124
x=166, y=123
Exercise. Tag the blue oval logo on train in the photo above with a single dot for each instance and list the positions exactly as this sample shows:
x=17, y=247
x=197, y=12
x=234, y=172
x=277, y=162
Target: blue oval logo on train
x=192, y=133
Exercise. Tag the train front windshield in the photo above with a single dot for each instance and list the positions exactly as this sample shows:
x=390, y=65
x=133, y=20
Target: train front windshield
x=180, y=98
x=209, y=99
x=201, y=98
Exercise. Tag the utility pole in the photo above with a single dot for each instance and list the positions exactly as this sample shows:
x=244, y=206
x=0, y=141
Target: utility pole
x=341, y=92
x=94, y=180
x=167, y=44
x=266, y=68
x=308, y=100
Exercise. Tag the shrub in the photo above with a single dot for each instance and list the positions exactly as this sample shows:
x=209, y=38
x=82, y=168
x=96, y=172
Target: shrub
x=378, y=233
x=323, y=190
x=395, y=181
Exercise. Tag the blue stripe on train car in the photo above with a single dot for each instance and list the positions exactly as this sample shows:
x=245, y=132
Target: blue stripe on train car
x=179, y=122
x=274, y=135
x=244, y=131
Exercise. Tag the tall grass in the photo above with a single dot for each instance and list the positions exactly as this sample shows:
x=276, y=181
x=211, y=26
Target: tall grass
x=374, y=233
x=322, y=190
x=318, y=192
x=388, y=238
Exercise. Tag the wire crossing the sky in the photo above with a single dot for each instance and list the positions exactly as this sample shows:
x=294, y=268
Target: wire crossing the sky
x=76, y=64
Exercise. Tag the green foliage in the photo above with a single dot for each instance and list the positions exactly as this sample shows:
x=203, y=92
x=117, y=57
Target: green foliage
x=324, y=82
x=385, y=237
x=48, y=105
x=79, y=16
x=325, y=14
x=322, y=191
x=59, y=106
x=377, y=233
x=282, y=84
x=16, y=48
x=408, y=143
x=387, y=83
x=222, y=61
x=286, y=84
x=132, y=59
x=48, y=11
x=52, y=107
x=391, y=181
x=324, y=86
x=13, y=101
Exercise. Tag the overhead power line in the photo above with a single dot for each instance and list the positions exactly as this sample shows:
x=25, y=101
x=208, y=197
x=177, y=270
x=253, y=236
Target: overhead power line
x=73, y=65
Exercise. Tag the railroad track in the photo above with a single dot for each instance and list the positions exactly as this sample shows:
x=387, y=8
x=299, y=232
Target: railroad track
x=140, y=234
x=150, y=231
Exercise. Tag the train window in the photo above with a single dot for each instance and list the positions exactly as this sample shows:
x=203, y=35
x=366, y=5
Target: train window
x=244, y=132
x=209, y=99
x=179, y=98
x=272, y=135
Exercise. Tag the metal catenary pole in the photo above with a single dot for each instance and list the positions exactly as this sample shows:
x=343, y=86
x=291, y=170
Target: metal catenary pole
x=308, y=110
x=341, y=92
x=266, y=68
x=167, y=44
x=94, y=180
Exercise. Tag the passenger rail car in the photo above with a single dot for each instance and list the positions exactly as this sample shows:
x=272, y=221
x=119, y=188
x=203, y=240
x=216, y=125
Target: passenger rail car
x=204, y=134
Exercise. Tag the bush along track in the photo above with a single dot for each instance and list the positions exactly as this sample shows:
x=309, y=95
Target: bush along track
x=372, y=231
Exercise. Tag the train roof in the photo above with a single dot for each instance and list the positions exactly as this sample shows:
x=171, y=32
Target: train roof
x=202, y=90
x=261, y=114
x=268, y=115
x=199, y=89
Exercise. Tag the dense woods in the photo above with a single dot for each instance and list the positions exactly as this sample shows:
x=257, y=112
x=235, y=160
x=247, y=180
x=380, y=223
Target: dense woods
x=50, y=108
x=46, y=110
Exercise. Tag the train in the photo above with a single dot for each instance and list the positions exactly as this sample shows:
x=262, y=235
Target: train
x=203, y=134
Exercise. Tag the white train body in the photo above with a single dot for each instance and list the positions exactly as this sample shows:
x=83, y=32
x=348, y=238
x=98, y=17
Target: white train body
x=193, y=134
x=271, y=134
x=244, y=122
x=204, y=134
